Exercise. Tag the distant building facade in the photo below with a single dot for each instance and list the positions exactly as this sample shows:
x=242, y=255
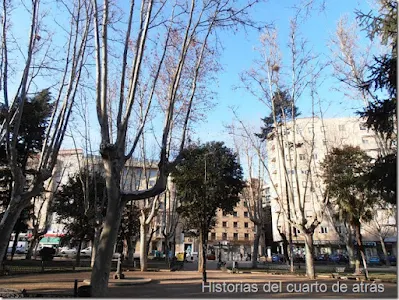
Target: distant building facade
x=314, y=137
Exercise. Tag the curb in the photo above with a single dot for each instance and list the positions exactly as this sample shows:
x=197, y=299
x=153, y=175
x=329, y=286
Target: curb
x=124, y=282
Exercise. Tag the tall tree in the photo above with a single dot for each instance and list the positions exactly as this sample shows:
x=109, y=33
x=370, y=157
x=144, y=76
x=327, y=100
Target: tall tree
x=147, y=38
x=269, y=82
x=345, y=175
x=381, y=113
x=37, y=58
x=208, y=178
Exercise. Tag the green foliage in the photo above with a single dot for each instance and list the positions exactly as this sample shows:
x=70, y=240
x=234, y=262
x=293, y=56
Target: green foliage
x=381, y=115
x=284, y=112
x=69, y=204
x=345, y=172
x=383, y=178
x=130, y=223
x=34, y=122
x=208, y=177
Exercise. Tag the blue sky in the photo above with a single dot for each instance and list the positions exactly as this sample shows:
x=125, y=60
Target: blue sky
x=239, y=54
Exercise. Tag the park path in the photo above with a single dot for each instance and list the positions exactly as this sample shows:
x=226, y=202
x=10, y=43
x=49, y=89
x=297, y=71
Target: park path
x=180, y=284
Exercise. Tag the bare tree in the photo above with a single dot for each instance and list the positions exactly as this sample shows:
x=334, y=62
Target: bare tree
x=196, y=21
x=274, y=83
x=253, y=152
x=383, y=225
x=350, y=63
x=170, y=220
x=36, y=57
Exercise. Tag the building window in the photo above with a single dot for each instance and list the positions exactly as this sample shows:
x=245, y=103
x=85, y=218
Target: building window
x=298, y=130
x=246, y=236
x=245, y=204
x=213, y=236
x=224, y=236
x=235, y=224
x=235, y=214
x=224, y=213
x=246, y=224
x=365, y=141
x=245, y=214
x=296, y=231
x=338, y=229
x=235, y=236
x=302, y=156
x=323, y=229
x=224, y=224
x=324, y=142
x=315, y=156
x=341, y=127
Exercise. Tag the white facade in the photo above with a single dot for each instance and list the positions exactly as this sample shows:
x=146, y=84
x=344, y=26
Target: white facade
x=313, y=137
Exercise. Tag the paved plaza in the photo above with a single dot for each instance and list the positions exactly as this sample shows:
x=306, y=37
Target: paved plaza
x=188, y=284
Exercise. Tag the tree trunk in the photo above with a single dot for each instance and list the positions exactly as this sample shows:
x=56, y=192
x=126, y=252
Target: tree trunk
x=131, y=249
x=384, y=250
x=361, y=249
x=350, y=248
x=94, y=247
x=202, y=263
x=255, y=250
x=143, y=247
x=167, y=249
x=8, y=222
x=32, y=245
x=309, y=252
x=15, y=244
x=109, y=233
x=174, y=246
x=78, y=252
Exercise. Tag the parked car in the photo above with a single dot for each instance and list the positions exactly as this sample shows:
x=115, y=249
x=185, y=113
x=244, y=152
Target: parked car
x=375, y=260
x=322, y=257
x=277, y=258
x=391, y=258
x=66, y=251
x=339, y=258
x=86, y=251
x=211, y=257
x=299, y=258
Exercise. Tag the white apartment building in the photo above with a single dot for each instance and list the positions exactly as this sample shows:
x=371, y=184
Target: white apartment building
x=313, y=137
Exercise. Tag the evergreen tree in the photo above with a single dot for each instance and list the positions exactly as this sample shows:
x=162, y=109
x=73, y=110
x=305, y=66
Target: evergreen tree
x=345, y=173
x=34, y=122
x=208, y=178
x=381, y=114
x=284, y=109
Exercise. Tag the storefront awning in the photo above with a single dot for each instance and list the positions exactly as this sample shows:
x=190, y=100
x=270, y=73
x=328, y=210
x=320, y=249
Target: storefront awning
x=50, y=240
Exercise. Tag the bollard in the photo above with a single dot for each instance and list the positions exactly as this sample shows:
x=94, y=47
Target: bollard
x=75, y=288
